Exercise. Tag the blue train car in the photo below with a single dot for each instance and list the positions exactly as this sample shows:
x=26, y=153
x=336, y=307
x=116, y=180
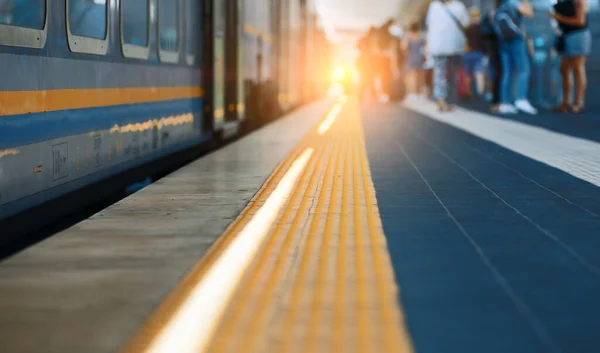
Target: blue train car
x=93, y=88
x=90, y=88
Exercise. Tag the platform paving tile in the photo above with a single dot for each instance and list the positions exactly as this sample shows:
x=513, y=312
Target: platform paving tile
x=492, y=251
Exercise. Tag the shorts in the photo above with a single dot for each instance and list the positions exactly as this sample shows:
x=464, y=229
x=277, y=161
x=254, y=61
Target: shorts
x=474, y=63
x=578, y=43
x=413, y=64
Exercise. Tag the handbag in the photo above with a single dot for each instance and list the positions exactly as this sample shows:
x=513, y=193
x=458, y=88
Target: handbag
x=560, y=44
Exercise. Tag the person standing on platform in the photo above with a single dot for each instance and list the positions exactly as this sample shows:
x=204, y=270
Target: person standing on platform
x=474, y=60
x=397, y=89
x=574, y=45
x=413, y=48
x=446, y=41
x=387, y=58
x=491, y=45
x=513, y=56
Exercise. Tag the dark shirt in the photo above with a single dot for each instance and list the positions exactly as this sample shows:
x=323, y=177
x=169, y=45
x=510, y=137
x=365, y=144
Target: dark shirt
x=473, y=33
x=567, y=9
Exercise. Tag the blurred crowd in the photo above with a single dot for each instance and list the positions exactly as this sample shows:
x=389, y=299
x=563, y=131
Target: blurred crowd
x=459, y=53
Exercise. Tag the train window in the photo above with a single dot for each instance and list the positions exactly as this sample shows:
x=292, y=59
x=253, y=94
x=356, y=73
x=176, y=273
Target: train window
x=87, y=26
x=193, y=18
x=87, y=18
x=28, y=14
x=135, y=28
x=23, y=23
x=168, y=20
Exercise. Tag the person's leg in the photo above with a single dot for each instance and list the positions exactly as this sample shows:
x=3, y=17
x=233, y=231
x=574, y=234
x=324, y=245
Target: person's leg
x=522, y=67
x=385, y=84
x=429, y=82
x=506, y=75
x=453, y=67
x=469, y=95
x=565, y=75
x=580, y=82
x=497, y=68
x=480, y=68
x=410, y=82
x=440, y=84
x=469, y=65
x=491, y=74
x=506, y=82
x=420, y=79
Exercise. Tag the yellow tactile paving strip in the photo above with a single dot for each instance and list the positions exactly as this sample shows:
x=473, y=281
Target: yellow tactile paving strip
x=322, y=281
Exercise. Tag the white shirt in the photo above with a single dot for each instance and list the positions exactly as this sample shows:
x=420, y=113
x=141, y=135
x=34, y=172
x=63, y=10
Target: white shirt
x=444, y=37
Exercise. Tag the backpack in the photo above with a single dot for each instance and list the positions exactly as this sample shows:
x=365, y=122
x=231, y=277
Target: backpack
x=505, y=24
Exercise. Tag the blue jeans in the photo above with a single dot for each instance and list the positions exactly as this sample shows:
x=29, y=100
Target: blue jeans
x=473, y=63
x=515, y=63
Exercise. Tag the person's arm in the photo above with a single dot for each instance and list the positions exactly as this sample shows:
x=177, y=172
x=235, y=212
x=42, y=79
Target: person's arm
x=426, y=54
x=530, y=46
x=525, y=9
x=578, y=19
x=554, y=26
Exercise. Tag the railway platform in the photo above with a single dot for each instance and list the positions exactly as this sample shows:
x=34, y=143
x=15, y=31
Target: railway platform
x=342, y=227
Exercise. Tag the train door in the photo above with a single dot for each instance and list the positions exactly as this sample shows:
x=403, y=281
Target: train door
x=234, y=86
x=240, y=92
x=219, y=12
x=276, y=7
x=207, y=64
x=284, y=44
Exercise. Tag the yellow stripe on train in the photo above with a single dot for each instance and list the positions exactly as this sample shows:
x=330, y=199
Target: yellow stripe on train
x=25, y=102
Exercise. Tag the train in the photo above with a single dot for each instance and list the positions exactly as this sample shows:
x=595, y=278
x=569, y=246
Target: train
x=92, y=88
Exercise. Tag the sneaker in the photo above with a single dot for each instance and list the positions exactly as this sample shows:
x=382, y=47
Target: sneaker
x=507, y=109
x=526, y=107
x=412, y=97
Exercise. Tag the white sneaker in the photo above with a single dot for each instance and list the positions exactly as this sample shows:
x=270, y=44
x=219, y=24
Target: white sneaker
x=412, y=97
x=526, y=107
x=507, y=109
